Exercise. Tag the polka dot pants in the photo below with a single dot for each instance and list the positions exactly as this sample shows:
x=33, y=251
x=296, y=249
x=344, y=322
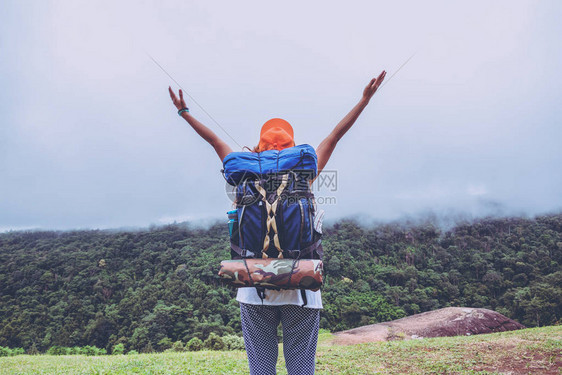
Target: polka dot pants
x=300, y=335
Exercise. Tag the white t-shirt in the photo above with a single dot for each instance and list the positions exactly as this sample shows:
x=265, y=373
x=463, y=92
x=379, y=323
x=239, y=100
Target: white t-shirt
x=280, y=297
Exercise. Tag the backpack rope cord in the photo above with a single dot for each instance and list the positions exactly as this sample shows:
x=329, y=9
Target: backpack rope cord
x=249, y=273
x=271, y=209
x=292, y=270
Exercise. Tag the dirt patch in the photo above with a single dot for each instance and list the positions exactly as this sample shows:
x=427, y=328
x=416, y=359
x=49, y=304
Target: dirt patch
x=450, y=321
x=515, y=357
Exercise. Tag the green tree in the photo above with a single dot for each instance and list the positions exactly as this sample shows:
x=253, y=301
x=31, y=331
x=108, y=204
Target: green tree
x=118, y=349
x=178, y=346
x=214, y=342
x=195, y=344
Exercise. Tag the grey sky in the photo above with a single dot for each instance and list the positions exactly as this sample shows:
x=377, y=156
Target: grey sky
x=89, y=137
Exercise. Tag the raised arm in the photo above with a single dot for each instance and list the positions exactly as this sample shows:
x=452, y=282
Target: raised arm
x=325, y=149
x=221, y=148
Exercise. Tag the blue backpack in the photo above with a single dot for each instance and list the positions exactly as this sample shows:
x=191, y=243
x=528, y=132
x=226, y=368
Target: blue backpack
x=275, y=206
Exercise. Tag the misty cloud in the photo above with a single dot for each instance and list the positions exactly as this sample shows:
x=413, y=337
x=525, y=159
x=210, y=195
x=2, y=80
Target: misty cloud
x=90, y=139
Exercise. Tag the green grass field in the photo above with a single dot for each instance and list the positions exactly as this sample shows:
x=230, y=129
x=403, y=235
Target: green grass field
x=529, y=351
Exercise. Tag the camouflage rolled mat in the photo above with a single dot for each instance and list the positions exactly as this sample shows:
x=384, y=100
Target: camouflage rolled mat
x=273, y=273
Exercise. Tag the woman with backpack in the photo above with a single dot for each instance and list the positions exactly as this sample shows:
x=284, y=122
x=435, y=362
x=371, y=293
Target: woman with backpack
x=261, y=314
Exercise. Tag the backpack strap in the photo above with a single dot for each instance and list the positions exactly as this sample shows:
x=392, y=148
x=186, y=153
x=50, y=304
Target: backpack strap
x=271, y=209
x=261, y=293
x=304, y=300
x=243, y=253
x=307, y=252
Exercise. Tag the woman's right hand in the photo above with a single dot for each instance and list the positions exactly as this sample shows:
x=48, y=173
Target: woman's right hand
x=179, y=103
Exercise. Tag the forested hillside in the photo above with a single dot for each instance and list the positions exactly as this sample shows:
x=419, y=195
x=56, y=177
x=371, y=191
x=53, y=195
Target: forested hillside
x=152, y=287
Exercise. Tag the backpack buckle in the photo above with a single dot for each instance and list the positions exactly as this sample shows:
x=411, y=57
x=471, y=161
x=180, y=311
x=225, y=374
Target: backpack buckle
x=247, y=253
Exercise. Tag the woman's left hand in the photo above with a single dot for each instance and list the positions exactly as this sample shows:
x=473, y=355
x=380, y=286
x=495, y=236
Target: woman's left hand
x=373, y=86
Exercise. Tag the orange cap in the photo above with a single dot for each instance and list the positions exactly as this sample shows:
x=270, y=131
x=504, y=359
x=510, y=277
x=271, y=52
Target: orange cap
x=276, y=134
